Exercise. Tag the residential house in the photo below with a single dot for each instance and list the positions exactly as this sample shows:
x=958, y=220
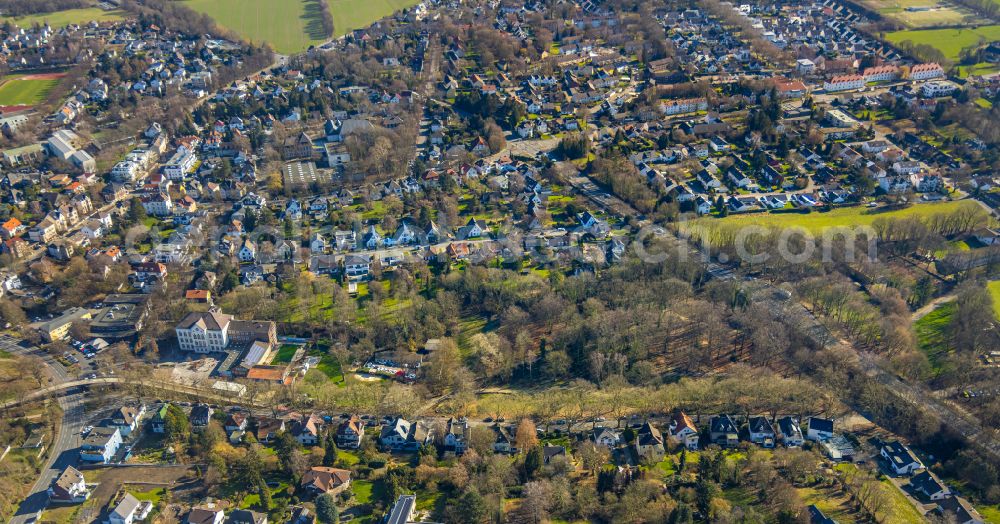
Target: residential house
x=456, y=437
x=201, y=415
x=900, y=458
x=158, y=423
x=208, y=514
x=649, y=443
x=606, y=437
x=402, y=435
x=69, y=487
x=403, y=511
x=350, y=433
x=319, y=480
x=503, y=442
x=929, y=485
x=550, y=452
x=100, y=445
x=357, y=266
x=268, y=429
x=959, y=511
x=683, y=431
x=130, y=510
x=761, y=432
x=246, y=516
x=723, y=431
x=791, y=434
x=307, y=429
x=127, y=418
x=926, y=71
x=235, y=422
x=819, y=429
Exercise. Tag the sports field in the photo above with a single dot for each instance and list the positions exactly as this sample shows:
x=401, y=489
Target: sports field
x=67, y=17
x=816, y=222
x=291, y=26
x=26, y=90
x=923, y=13
x=948, y=41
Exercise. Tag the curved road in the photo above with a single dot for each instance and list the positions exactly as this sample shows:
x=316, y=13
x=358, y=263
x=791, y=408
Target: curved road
x=62, y=452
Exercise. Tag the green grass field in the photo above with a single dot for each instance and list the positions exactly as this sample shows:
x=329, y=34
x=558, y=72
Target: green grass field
x=65, y=18
x=948, y=41
x=15, y=91
x=349, y=15
x=289, y=26
x=285, y=353
x=932, y=334
x=994, y=287
x=815, y=222
x=292, y=26
x=991, y=514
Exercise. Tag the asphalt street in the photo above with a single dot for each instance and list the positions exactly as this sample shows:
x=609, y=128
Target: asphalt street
x=63, y=451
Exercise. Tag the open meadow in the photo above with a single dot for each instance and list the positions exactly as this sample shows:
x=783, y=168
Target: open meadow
x=349, y=15
x=950, y=42
x=25, y=90
x=292, y=26
x=816, y=221
x=70, y=16
x=994, y=287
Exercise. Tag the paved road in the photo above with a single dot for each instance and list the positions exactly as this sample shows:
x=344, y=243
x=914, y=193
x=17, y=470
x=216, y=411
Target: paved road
x=62, y=452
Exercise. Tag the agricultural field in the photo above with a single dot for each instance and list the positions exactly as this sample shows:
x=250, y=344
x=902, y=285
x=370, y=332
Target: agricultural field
x=816, y=222
x=293, y=26
x=70, y=16
x=25, y=90
x=950, y=42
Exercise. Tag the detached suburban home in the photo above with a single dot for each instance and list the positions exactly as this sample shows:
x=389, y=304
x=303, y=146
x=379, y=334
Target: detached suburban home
x=819, y=429
x=350, y=433
x=683, y=431
x=69, y=487
x=208, y=514
x=606, y=437
x=925, y=482
x=649, y=443
x=900, y=458
x=723, y=431
x=761, y=432
x=130, y=510
x=958, y=510
x=319, y=480
x=791, y=434
x=504, y=441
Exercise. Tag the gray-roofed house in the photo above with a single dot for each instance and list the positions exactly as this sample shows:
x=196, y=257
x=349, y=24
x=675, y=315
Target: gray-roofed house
x=723, y=431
